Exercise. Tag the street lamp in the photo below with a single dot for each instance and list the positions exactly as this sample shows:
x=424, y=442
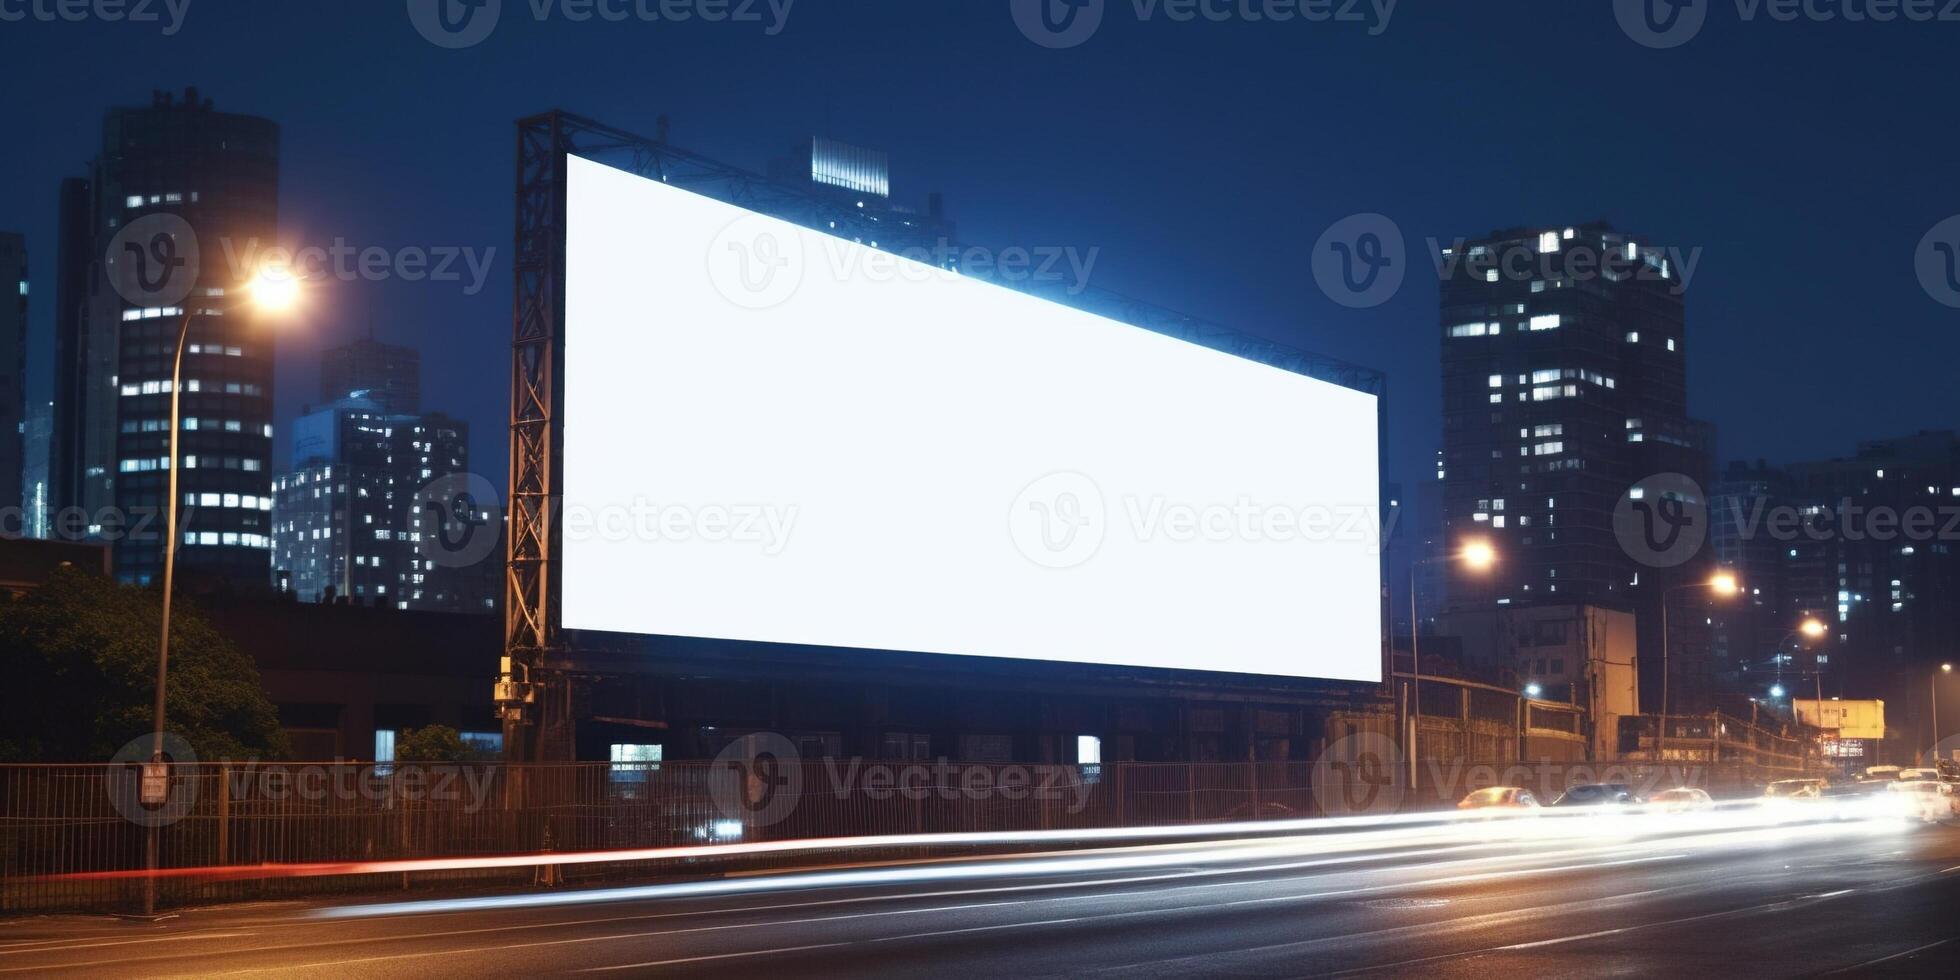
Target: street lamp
x=1723, y=584
x=270, y=290
x=1532, y=690
x=1478, y=555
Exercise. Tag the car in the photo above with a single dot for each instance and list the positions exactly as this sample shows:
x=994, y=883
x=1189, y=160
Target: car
x=1919, y=775
x=1795, y=789
x=1861, y=800
x=1500, y=801
x=1682, y=799
x=1925, y=799
x=1597, y=794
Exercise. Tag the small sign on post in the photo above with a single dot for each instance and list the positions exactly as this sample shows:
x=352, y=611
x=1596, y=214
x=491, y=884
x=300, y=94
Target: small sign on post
x=156, y=783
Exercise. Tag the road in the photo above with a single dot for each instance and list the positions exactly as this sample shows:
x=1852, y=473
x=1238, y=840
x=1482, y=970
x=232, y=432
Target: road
x=1477, y=900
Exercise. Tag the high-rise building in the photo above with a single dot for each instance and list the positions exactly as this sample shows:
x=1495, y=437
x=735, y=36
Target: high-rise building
x=1565, y=383
x=182, y=167
x=345, y=519
x=388, y=375
x=13, y=380
x=34, y=483
x=1863, y=544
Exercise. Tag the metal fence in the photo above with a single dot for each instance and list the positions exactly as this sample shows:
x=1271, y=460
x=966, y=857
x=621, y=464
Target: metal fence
x=60, y=821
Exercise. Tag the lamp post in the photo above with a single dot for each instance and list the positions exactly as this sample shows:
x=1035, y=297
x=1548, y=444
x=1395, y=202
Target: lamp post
x=1723, y=584
x=270, y=291
x=1478, y=555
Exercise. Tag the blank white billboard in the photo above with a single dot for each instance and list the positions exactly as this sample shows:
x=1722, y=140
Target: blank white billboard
x=771, y=434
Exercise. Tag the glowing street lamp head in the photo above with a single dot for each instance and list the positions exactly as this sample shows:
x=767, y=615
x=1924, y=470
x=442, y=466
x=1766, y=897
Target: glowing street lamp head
x=1776, y=690
x=273, y=289
x=1479, y=555
x=1812, y=628
x=1532, y=690
x=1946, y=668
x=1725, y=584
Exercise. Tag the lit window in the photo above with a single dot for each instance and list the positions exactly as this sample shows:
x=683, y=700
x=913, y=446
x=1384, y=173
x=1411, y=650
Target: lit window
x=1546, y=321
x=1497, y=381
x=1548, y=242
x=1469, y=330
x=1633, y=336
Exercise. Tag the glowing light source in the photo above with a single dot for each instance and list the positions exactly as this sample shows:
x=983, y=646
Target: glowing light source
x=1812, y=628
x=274, y=290
x=1532, y=690
x=1724, y=583
x=1479, y=555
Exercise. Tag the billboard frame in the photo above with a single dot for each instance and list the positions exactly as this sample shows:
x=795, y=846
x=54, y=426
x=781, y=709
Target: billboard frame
x=533, y=690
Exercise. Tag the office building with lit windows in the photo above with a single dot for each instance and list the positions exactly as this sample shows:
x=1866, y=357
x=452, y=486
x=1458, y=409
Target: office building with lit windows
x=1866, y=544
x=219, y=173
x=345, y=521
x=1564, y=383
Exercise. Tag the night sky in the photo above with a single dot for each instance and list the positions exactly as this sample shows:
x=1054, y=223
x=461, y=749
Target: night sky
x=1201, y=159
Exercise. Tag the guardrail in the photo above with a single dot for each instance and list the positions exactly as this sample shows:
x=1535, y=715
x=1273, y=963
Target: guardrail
x=68, y=831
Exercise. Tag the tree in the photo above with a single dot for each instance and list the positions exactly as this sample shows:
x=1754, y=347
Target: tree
x=435, y=743
x=78, y=662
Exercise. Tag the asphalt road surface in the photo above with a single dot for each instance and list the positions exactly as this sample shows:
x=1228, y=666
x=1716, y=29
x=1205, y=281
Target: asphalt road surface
x=1488, y=901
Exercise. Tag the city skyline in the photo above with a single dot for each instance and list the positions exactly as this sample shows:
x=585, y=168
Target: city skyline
x=1740, y=291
